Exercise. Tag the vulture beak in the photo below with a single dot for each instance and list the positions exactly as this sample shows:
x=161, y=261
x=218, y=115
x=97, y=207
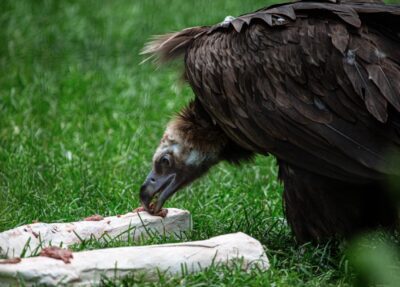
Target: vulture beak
x=160, y=186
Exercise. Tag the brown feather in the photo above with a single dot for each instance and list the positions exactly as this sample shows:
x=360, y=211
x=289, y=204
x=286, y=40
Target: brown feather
x=316, y=84
x=170, y=46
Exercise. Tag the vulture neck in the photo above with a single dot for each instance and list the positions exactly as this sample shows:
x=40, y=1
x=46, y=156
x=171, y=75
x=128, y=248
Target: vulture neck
x=198, y=131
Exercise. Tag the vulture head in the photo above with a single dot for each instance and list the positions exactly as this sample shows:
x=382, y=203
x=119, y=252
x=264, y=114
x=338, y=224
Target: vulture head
x=192, y=143
x=188, y=148
x=176, y=162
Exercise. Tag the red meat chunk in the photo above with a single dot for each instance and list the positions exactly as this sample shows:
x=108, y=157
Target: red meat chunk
x=95, y=217
x=57, y=253
x=15, y=260
x=163, y=212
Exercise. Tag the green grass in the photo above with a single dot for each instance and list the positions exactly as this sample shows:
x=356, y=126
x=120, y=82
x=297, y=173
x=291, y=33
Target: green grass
x=80, y=119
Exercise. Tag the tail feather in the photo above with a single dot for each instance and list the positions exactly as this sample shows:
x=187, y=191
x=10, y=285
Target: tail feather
x=164, y=48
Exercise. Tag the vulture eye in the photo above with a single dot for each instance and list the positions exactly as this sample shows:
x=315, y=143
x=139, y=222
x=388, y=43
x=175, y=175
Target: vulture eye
x=165, y=160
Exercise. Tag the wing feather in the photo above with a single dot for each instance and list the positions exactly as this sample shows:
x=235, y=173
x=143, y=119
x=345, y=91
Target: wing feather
x=315, y=93
x=314, y=83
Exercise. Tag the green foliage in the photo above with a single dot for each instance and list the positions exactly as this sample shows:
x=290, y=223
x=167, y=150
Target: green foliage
x=80, y=118
x=376, y=259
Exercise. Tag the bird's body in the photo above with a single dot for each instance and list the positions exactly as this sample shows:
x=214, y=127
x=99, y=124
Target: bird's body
x=316, y=84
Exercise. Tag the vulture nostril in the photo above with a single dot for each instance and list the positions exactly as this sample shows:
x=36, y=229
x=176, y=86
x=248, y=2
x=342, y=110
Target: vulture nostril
x=152, y=180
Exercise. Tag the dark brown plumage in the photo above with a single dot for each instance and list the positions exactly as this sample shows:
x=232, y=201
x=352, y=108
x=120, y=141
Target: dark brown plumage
x=314, y=83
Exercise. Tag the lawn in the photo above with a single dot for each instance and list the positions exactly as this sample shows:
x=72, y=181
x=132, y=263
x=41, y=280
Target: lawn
x=80, y=119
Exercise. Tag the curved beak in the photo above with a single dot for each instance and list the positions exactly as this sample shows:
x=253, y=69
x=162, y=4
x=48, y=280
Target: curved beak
x=161, y=186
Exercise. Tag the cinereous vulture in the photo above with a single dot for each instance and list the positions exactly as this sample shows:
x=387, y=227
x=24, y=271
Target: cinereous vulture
x=315, y=84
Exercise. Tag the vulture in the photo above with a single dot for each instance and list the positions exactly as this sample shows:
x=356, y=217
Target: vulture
x=316, y=84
